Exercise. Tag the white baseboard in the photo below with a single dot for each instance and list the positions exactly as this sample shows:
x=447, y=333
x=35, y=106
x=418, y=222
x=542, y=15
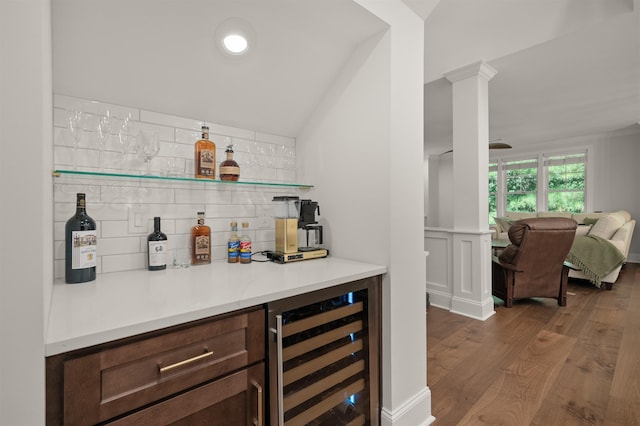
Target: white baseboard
x=439, y=299
x=414, y=412
x=473, y=309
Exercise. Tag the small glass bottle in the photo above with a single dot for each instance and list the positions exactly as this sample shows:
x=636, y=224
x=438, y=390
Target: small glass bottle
x=229, y=169
x=234, y=244
x=205, y=164
x=157, y=248
x=200, y=242
x=245, y=244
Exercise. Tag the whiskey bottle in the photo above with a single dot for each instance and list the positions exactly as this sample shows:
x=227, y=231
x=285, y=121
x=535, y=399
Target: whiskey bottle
x=205, y=164
x=157, y=248
x=80, y=245
x=200, y=242
x=229, y=169
x=245, y=244
x=233, y=244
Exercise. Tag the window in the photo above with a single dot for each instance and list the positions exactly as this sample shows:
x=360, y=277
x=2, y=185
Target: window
x=521, y=185
x=547, y=182
x=493, y=192
x=565, y=183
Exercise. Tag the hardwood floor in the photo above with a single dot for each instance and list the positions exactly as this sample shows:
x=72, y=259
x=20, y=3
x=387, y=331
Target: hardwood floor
x=538, y=363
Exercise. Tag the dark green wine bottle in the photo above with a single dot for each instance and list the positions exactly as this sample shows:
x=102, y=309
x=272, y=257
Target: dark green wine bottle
x=80, y=245
x=157, y=248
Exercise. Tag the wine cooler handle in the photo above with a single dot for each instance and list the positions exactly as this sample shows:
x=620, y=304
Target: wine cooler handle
x=258, y=421
x=280, y=370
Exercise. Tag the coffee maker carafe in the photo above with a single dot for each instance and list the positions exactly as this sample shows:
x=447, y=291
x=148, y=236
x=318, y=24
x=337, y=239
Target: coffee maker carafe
x=309, y=224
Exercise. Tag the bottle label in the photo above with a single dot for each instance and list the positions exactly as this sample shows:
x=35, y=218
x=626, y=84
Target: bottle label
x=201, y=248
x=157, y=253
x=234, y=249
x=84, y=248
x=230, y=170
x=207, y=162
x=245, y=250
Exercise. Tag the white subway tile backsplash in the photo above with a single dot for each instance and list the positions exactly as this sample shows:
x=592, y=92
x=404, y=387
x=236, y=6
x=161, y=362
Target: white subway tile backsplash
x=171, y=120
x=262, y=158
x=275, y=139
x=124, y=262
x=115, y=228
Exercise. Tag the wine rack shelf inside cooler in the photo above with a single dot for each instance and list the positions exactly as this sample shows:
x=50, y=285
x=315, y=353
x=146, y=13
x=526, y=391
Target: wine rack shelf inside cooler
x=325, y=363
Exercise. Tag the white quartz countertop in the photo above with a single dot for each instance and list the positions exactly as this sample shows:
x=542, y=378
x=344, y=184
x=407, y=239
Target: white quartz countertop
x=123, y=304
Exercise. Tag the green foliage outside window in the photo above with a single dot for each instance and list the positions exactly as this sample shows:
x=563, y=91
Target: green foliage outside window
x=566, y=184
x=522, y=184
x=493, y=190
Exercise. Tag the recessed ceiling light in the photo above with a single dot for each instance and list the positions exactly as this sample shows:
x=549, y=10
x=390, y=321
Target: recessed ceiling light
x=235, y=44
x=235, y=37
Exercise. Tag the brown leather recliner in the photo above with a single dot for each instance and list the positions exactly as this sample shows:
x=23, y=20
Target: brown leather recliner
x=533, y=264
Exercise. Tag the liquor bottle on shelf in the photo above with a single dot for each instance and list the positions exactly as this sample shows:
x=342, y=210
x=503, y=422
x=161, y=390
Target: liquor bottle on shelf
x=245, y=244
x=229, y=169
x=157, y=248
x=80, y=245
x=205, y=164
x=200, y=242
x=234, y=244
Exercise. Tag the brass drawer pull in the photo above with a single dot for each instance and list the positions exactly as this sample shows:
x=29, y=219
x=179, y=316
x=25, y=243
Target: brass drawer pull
x=186, y=361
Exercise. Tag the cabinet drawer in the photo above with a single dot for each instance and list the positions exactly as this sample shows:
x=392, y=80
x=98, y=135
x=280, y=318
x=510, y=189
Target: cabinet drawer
x=114, y=381
x=234, y=400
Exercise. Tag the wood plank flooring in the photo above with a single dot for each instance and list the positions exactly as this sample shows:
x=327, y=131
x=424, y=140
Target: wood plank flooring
x=538, y=363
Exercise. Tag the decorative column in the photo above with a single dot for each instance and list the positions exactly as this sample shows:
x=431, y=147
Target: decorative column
x=471, y=239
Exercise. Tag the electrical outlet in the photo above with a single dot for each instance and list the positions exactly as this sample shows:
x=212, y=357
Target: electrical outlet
x=137, y=223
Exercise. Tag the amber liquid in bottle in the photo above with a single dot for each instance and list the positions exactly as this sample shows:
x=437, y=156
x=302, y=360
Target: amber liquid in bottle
x=229, y=169
x=200, y=242
x=205, y=164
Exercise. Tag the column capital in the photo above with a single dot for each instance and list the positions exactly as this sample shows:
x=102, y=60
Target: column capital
x=479, y=68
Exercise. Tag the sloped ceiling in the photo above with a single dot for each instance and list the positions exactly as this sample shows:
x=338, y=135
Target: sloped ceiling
x=565, y=68
x=160, y=55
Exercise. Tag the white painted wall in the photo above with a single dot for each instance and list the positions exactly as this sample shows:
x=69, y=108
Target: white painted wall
x=616, y=177
x=364, y=146
x=25, y=214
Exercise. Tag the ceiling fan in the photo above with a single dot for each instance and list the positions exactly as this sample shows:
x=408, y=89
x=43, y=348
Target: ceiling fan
x=493, y=144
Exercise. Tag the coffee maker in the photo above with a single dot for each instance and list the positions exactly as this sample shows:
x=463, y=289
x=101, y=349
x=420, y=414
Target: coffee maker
x=291, y=215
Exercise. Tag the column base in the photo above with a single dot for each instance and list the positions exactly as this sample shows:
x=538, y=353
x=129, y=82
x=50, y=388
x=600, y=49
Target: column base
x=414, y=412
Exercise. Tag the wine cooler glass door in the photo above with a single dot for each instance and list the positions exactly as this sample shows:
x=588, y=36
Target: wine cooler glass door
x=322, y=367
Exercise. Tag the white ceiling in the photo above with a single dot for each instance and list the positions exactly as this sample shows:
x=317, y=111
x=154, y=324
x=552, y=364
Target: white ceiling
x=566, y=68
x=160, y=55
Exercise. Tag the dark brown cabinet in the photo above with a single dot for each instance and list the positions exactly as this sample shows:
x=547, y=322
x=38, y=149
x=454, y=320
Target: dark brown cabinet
x=207, y=372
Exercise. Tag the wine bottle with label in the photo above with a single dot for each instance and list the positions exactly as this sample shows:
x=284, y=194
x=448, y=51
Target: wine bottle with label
x=80, y=250
x=157, y=247
x=200, y=242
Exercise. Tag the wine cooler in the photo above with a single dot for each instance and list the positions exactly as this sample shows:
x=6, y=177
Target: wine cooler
x=324, y=362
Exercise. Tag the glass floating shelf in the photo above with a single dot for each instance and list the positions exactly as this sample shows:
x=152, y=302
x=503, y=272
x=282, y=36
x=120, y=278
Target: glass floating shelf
x=59, y=172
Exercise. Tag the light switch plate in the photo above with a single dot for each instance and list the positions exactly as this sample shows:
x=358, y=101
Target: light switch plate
x=137, y=221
